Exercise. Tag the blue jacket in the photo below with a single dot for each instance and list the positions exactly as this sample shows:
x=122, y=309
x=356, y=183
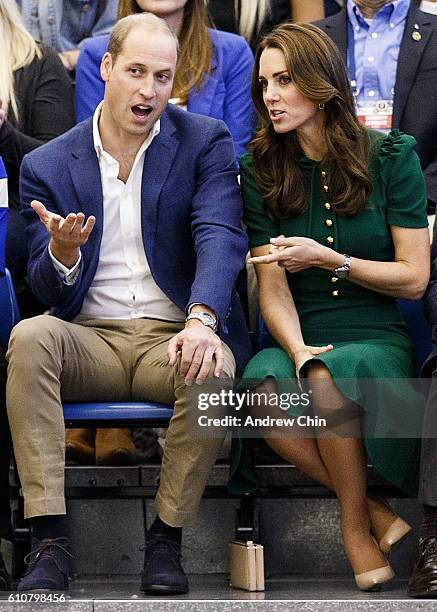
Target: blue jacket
x=191, y=212
x=225, y=94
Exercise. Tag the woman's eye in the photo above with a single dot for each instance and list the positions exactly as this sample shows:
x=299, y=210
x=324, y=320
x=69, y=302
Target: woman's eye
x=263, y=84
x=284, y=80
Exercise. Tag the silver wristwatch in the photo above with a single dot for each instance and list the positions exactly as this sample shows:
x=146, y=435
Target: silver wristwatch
x=343, y=271
x=207, y=319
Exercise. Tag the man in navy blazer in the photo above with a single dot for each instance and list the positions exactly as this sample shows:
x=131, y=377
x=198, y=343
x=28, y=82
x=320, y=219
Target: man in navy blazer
x=414, y=107
x=134, y=222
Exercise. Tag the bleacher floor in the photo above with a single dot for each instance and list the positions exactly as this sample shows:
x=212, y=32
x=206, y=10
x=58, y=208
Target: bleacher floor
x=210, y=593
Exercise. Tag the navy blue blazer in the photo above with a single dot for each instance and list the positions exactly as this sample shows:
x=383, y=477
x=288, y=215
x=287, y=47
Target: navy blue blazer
x=191, y=212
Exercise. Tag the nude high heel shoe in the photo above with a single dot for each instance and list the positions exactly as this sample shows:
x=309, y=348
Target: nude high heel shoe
x=368, y=581
x=395, y=534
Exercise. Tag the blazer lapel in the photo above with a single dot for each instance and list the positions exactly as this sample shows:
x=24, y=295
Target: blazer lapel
x=157, y=165
x=336, y=28
x=85, y=174
x=410, y=54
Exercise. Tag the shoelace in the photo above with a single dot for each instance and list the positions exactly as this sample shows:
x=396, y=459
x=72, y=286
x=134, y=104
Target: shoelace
x=31, y=557
x=431, y=552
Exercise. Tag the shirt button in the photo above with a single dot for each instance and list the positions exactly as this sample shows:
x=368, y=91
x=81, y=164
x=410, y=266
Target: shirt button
x=334, y=279
x=335, y=293
x=371, y=93
x=374, y=35
x=330, y=240
x=327, y=206
x=86, y=8
x=392, y=25
x=370, y=59
x=357, y=28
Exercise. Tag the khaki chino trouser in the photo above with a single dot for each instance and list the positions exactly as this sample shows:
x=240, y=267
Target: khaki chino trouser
x=51, y=361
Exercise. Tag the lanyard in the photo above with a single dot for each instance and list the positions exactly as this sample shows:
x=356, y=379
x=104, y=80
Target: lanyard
x=351, y=58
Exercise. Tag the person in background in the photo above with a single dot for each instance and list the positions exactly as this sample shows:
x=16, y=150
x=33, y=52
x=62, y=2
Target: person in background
x=36, y=105
x=5, y=434
x=318, y=188
x=254, y=18
x=65, y=25
x=213, y=71
x=391, y=52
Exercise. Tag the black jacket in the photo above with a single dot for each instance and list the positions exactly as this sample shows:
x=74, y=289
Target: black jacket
x=45, y=103
x=415, y=99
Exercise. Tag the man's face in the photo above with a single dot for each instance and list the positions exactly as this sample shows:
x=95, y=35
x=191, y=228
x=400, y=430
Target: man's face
x=139, y=83
x=372, y=5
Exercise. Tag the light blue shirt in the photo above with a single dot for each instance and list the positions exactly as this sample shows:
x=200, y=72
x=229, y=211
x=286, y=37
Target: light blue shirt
x=67, y=24
x=377, y=49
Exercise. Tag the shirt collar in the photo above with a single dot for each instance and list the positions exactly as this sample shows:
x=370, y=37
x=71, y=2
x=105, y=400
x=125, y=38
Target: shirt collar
x=396, y=12
x=98, y=146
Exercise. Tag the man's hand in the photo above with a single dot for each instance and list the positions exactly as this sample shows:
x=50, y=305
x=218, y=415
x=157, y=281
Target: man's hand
x=198, y=345
x=67, y=235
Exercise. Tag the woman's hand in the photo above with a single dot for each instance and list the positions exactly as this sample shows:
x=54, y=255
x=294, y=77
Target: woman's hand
x=306, y=353
x=296, y=253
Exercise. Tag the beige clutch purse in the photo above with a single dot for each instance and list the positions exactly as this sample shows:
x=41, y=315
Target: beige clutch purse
x=246, y=565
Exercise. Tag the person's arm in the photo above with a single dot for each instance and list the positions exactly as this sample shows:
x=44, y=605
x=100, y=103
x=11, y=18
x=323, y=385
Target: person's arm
x=51, y=110
x=430, y=299
x=90, y=87
x=307, y=10
x=239, y=114
x=279, y=312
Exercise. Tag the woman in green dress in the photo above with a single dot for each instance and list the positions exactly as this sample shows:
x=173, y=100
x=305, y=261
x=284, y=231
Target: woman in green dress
x=336, y=216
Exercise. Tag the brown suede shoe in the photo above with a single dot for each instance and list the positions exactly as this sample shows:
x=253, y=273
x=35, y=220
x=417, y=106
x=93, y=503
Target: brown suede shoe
x=115, y=447
x=79, y=446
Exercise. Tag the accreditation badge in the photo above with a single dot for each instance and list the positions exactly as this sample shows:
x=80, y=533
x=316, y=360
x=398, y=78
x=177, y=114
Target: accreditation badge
x=376, y=114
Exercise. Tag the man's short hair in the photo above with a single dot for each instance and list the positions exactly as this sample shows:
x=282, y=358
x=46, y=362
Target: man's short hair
x=125, y=25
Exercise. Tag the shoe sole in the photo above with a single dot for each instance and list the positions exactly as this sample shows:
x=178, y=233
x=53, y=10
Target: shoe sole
x=160, y=589
x=423, y=594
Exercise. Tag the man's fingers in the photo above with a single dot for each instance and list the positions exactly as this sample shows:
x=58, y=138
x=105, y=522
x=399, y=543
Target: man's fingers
x=206, y=365
x=172, y=350
x=41, y=211
x=218, y=361
x=191, y=369
x=87, y=228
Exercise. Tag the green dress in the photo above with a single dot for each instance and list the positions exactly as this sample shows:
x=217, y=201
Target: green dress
x=365, y=327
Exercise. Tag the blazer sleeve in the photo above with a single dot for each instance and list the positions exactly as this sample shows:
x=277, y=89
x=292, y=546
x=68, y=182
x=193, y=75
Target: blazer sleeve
x=90, y=87
x=239, y=114
x=430, y=298
x=44, y=279
x=219, y=239
x=50, y=112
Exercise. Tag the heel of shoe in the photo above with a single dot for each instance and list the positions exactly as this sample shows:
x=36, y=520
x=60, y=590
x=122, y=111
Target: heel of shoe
x=394, y=535
x=368, y=581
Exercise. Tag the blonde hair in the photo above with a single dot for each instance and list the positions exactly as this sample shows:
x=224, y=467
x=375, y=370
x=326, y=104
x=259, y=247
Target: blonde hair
x=195, y=46
x=17, y=49
x=251, y=16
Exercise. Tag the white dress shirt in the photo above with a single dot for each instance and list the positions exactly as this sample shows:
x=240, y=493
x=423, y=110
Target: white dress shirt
x=123, y=286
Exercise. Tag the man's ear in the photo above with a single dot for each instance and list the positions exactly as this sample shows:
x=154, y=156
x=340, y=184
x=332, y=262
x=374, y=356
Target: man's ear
x=106, y=66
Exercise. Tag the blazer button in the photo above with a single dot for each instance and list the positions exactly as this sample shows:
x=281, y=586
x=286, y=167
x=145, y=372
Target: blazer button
x=328, y=222
x=327, y=206
x=325, y=187
x=334, y=279
x=330, y=240
x=335, y=293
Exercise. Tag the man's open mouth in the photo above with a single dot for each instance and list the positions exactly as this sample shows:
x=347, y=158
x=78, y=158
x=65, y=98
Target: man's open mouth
x=140, y=110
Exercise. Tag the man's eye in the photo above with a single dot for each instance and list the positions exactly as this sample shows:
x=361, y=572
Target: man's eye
x=163, y=78
x=135, y=71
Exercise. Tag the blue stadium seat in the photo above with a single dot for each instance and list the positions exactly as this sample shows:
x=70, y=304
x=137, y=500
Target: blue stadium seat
x=103, y=414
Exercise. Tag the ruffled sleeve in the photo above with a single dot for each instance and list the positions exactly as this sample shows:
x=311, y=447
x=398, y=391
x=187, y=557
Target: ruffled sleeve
x=403, y=179
x=259, y=226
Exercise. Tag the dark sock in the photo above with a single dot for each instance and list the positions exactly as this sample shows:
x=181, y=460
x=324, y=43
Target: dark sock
x=52, y=526
x=159, y=526
x=429, y=522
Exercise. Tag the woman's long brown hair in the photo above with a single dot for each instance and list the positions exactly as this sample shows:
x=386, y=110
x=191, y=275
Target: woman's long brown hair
x=318, y=72
x=195, y=46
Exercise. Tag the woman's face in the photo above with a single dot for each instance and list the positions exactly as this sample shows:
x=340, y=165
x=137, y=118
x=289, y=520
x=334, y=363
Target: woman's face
x=288, y=108
x=162, y=8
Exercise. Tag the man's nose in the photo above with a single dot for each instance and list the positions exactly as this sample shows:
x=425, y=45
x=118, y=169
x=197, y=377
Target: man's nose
x=147, y=89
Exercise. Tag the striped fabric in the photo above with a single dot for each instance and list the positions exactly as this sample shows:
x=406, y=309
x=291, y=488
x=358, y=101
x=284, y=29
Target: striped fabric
x=3, y=214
